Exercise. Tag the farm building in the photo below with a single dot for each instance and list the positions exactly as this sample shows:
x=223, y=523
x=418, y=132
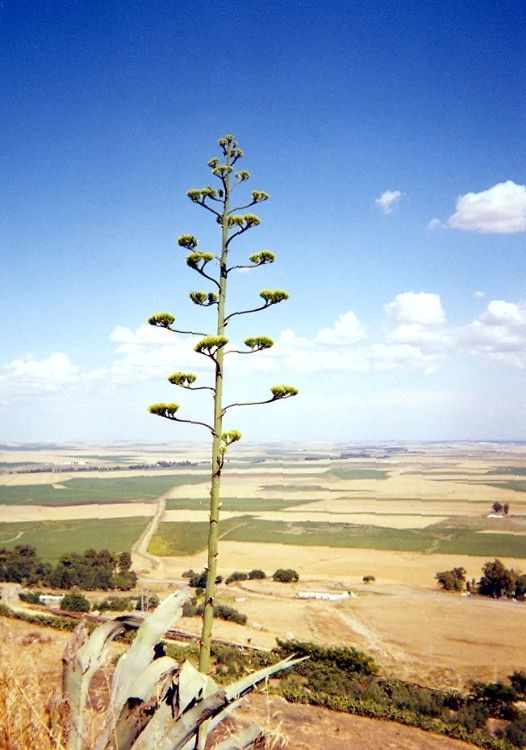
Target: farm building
x=324, y=595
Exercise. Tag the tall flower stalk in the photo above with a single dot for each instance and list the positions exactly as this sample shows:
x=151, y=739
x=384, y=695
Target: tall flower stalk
x=216, y=268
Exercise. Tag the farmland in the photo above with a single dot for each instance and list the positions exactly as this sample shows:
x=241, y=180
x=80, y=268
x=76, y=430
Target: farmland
x=333, y=513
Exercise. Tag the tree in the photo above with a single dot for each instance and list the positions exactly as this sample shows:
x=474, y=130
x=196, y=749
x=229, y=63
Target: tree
x=75, y=601
x=520, y=587
x=496, y=580
x=496, y=507
x=215, y=269
x=518, y=682
x=257, y=575
x=285, y=575
x=452, y=580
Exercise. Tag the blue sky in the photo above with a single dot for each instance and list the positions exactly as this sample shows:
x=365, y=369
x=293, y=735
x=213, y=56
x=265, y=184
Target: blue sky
x=390, y=137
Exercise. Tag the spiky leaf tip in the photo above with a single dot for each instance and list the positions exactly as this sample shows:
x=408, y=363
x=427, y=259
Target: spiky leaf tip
x=231, y=436
x=164, y=410
x=210, y=344
x=283, y=391
x=273, y=296
x=264, y=256
x=258, y=196
x=182, y=378
x=162, y=319
x=259, y=343
x=188, y=241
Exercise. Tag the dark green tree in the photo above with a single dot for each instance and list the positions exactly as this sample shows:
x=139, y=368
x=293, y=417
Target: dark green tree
x=496, y=580
x=452, y=580
x=215, y=268
x=285, y=575
x=75, y=601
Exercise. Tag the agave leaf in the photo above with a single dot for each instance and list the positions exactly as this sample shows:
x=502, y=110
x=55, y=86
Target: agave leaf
x=177, y=733
x=212, y=707
x=140, y=708
x=190, y=688
x=82, y=657
x=131, y=665
x=243, y=739
x=193, y=687
x=246, y=684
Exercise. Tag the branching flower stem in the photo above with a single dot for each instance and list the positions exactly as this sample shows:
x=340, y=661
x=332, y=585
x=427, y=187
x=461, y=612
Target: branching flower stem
x=217, y=454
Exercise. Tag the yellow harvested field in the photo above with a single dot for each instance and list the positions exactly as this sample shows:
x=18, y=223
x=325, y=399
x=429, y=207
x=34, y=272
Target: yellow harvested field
x=295, y=516
x=498, y=531
x=343, y=567
x=36, y=513
x=414, y=507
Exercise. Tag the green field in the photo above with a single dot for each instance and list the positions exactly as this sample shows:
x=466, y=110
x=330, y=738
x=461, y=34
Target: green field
x=434, y=539
x=509, y=484
x=515, y=470
x=87, y=490
x=187, y=537
x=52, y=539
x=239, y=504
x=349, y=472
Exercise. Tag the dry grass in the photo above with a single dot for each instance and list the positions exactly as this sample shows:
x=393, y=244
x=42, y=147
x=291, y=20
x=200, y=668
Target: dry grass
x=27, y=684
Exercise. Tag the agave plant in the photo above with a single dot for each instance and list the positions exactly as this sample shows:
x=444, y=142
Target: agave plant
x=155, y=702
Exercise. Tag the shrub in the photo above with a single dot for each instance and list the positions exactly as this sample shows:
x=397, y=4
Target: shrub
x=497, y=697
x=285, y=575
x=30, y=597
x=198, y=580
x=472, y=716
x=515, y=732
x=257, y=575
x=75, y=601
x=237, y=575
x=518, y=681
x=117, y=603
x=345, y=658
x=224, y=612
x=368, y=579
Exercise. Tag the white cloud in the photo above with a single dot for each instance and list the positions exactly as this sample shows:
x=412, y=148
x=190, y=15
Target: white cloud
x=417, y=340
x=33, y=375
x=389, y=200
x=479, y=294
x=145, y=353
x=436, y=224
x=346, y=330
x=416, y=307
x=499, y=210
x=498, y=335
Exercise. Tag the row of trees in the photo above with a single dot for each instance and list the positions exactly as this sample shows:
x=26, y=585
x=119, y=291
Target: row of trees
x=90, y=570
x=282, y=575
x=497, y=581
